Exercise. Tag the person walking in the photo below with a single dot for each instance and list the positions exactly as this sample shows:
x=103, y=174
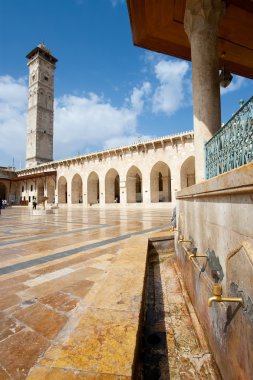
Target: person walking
x=34, y=204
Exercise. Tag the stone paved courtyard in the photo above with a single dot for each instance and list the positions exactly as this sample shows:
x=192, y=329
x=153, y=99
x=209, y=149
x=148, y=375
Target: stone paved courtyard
x=71, y=295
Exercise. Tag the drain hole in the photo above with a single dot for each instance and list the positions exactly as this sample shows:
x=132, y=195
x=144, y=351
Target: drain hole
x=154, y=339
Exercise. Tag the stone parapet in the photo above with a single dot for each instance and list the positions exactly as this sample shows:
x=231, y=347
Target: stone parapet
x=217, y=217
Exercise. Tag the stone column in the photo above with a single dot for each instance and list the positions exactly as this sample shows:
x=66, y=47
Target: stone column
x=201, y=24
x=123, y=193
x=69, y=191
x=166, y=188
x=175, y=182
x=146, y=188
x=85, y=196
x=56, y=194
x=102, y=191
x=45, y=190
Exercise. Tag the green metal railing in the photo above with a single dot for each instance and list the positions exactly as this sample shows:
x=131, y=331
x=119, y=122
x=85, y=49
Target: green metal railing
x=232, y=145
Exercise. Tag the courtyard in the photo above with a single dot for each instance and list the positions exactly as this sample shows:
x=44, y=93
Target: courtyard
x=50, y=265
x=72, y=294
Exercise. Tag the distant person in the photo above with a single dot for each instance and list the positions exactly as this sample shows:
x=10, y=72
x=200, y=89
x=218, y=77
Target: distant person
x=4, y=203
x=34, y=204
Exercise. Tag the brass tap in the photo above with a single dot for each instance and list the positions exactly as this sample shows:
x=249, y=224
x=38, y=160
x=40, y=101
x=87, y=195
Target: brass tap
x=195, y=255
x=183, y=240
x=217, y=296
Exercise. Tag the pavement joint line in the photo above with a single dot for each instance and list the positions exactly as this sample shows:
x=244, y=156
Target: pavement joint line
x=74, y=251
x=49, y=236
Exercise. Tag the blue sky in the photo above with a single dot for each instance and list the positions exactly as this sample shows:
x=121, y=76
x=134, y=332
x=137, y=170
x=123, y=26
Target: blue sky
x=107, y=91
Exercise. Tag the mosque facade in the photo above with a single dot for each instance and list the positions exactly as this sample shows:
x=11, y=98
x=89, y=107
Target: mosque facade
x=144, y=173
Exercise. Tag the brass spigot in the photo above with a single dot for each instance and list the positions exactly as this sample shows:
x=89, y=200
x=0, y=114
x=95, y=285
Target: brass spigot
x=217, y=296
x=183, y=240
x=195, y=255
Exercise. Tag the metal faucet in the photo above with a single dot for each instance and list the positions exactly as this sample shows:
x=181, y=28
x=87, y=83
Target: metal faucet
x=183, y=240
x=195, y=255
x=217, y=296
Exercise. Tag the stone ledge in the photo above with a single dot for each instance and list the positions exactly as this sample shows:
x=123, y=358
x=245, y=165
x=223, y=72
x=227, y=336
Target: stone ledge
x=237, y=181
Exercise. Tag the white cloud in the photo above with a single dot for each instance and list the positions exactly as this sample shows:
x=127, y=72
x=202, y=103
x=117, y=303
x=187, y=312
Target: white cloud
x=236, y=84
x=91, y=122
x=173, y=90
x=13, y=91
x=138, y=96
x=13, y=109
x=82, y=123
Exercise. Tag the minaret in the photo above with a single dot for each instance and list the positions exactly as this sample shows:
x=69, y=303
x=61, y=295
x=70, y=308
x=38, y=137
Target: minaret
x=39, y=146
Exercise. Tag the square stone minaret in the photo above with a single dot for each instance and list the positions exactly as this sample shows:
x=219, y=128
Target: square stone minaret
x=40, y=120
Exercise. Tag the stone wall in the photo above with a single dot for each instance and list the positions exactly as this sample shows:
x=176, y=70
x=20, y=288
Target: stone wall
x=217, y=216
x=129, y=174
x=8, y=189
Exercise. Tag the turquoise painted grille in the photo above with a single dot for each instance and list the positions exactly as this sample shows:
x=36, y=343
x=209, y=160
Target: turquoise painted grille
x=232, y=145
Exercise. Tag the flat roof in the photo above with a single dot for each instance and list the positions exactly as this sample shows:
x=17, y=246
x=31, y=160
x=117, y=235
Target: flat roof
x=159, y=26
x=44, y=52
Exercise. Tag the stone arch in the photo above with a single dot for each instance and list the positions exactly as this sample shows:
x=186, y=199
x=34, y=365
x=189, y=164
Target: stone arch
x=112, y=191
x=93, y=188
x=50, y=190
x=76, y=189
x=3, y=191
x=62, y=190
x=42, y=97
x=187, y=172
x=134, y=185
x=160, y=183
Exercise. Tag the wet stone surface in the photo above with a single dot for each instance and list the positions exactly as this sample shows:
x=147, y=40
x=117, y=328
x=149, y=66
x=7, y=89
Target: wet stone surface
x=170, y=346
x=57, y=273
x=71, y=296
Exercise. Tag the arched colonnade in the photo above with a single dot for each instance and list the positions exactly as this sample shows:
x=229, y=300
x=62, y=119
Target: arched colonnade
x=124, y=187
